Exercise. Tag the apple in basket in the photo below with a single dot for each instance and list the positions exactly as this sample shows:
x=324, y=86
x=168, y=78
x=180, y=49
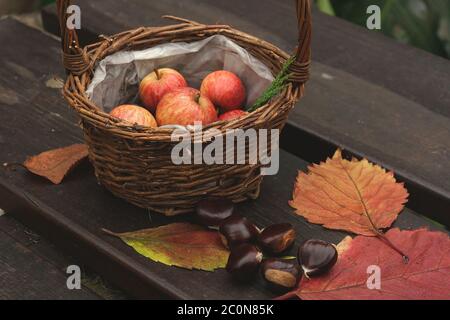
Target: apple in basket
x=134, y=115
x=233, y=114
x=156, y=84
x=224, y=89
x=185, y=106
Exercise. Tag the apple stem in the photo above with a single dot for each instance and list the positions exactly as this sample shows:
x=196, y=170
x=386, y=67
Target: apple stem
x=197, y=97
x=158, y=76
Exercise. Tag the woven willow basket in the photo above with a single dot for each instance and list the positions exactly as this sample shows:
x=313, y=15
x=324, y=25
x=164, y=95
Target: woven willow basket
x=134, y=162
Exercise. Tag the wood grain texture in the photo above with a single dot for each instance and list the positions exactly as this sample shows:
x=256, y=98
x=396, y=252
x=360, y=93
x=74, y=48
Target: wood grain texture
x=43, y=254
x=410, y=72
x=380, y=125
x=368, y=94
x=71, y=214
x=26, y=270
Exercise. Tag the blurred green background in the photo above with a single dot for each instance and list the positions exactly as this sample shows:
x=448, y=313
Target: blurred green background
x=421, y=23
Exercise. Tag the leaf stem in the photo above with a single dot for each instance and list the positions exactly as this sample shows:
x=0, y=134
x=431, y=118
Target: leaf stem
x=13, y=165
x=286, y=296
x=108, y=232
x=377, y=232
x=383, y=238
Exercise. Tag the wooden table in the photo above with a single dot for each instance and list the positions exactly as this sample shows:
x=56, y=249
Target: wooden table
x=368, y=94
x=335, y=112
x=32, y=268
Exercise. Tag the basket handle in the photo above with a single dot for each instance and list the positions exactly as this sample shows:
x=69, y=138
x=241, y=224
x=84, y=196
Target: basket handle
x=299, y=70
x=75, y=59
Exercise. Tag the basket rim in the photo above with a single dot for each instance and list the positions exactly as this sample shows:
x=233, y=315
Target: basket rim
x=76, y=85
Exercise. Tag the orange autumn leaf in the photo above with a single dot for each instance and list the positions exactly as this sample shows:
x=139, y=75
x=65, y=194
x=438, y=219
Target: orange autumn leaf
x=355, y=196
x=183, y=245
x=368, y=270
x=56, y=164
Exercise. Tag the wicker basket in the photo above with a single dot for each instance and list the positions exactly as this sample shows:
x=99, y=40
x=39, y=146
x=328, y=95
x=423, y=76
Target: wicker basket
x=134, y=162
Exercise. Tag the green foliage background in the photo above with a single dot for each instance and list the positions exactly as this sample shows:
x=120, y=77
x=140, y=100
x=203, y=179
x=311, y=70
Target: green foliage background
x=421, y=23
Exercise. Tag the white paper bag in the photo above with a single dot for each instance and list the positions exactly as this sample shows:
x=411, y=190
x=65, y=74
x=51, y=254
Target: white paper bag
x=116, y=78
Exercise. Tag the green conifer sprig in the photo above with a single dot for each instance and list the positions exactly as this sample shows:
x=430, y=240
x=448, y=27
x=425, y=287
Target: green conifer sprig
x=275, y=88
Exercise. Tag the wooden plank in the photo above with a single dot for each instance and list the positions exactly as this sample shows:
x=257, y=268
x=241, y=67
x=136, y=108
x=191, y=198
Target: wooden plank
x=43, y=255
x=19, y=78
x=407, y=71
x=72, y=214
x=368, y=94
x=346, y=111
x=26, y=275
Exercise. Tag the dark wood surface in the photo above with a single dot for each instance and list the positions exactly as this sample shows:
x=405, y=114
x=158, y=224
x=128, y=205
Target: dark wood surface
x=413, y=73
x=368, y=94
x=32, y=268
x=35, y=118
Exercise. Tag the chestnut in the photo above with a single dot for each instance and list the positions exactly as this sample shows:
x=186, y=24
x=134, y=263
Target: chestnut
x=316, y=257
x=277, y=238
x=210, y=212
x=244, y=261
x=281, y=275
x=236, y=230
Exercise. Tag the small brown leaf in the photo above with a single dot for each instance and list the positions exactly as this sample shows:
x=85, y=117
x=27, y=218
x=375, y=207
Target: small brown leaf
x=56, y=164
x=183, y=245
x=355, y=196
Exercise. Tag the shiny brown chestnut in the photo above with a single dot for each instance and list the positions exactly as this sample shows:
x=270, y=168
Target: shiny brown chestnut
x=236, y=230
x=210, y=212
x=316, y=257
x=277, y=238
x=281, y=275
x=244, y=261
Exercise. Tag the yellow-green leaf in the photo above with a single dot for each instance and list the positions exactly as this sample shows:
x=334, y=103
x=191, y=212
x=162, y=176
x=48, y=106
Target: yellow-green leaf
x=183, y=245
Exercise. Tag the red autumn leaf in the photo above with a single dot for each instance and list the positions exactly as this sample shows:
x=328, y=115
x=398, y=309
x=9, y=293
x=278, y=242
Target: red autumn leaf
x=426, y=276
x=355, y=196
x=183, y=245
x=56, y=164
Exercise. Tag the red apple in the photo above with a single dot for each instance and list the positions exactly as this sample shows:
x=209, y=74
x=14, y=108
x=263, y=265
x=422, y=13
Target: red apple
x=135, y=115
x=185, y=106
x=156, y=84
x=224, y=89
x=233, y=114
